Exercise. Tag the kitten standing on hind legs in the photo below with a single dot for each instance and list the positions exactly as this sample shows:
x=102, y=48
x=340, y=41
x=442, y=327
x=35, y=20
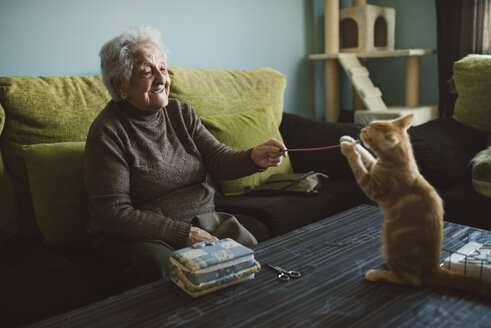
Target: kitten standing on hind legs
x=413, y=210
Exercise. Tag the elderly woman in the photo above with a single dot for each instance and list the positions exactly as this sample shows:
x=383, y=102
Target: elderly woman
x=146, y=161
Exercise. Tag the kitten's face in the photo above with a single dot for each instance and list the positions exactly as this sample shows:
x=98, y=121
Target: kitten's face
x=381, y=136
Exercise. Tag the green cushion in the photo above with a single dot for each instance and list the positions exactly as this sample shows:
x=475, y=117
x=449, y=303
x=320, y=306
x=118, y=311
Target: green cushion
x=16, y=166
x=44, y=109
x=472, y=76
x=244, y=131
x=217, y=95
x=9, y=223
x=61, y=108
x=56, y=181
x=218, y=92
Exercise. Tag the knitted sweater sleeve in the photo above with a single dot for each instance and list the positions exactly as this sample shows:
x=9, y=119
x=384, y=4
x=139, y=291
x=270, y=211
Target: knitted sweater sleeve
x=107, y=182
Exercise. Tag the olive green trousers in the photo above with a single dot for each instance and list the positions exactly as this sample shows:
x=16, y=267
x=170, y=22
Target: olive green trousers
x=144, y=261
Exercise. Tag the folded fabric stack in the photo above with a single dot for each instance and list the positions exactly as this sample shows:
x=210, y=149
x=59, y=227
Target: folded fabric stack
x=211, y=265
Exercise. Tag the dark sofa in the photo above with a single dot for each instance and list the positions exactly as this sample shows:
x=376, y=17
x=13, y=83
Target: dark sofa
x=443, y=149
x=38, y=280
x=46, y=264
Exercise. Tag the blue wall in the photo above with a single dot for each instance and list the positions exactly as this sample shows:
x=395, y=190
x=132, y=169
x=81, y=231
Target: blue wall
x=415, y=28
x=63, y=37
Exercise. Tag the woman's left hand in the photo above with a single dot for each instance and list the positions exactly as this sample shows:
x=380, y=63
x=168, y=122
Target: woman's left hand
x=268, y=154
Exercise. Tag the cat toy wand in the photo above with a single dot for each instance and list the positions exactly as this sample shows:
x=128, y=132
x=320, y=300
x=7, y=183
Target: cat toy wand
x=316, y=149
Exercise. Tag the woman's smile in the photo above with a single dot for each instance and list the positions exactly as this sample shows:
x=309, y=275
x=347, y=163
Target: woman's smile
x=150, y=82
x=159, y=90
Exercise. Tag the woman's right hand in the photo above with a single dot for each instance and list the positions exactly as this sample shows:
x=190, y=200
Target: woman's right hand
x=198, y=235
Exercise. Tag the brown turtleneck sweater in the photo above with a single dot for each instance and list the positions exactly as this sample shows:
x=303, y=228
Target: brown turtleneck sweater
x=137, y=164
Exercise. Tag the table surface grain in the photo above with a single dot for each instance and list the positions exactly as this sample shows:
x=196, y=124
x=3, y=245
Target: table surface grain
x=333, y=255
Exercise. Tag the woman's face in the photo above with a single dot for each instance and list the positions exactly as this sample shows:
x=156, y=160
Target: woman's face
x=150, y=82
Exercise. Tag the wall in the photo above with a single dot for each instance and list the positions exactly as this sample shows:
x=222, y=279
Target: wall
x=63, y=37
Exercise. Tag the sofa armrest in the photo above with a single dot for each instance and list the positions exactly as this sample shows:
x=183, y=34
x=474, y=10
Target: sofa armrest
x=443, y=149
x=300, y=132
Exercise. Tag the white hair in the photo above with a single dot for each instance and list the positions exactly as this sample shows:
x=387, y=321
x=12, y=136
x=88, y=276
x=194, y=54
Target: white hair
x=117, y=55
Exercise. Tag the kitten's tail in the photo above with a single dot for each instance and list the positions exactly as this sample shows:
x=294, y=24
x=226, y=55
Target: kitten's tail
x=456, y=280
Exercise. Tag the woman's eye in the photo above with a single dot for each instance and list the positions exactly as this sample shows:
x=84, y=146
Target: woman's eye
x=163, y=69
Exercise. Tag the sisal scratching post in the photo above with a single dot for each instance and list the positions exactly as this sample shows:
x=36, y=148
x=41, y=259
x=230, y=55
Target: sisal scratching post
x=331, y=46
x=412, y=81
x=356, y=3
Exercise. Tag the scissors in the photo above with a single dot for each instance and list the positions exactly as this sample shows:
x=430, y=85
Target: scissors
x=285, y=275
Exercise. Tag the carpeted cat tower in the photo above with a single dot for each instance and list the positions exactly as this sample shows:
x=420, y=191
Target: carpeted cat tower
x=352, y=35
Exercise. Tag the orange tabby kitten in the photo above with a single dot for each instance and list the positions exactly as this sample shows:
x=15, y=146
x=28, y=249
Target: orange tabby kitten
x=413, y=210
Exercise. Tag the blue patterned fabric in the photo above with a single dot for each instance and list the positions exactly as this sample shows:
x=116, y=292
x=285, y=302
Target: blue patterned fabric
x=211, y=265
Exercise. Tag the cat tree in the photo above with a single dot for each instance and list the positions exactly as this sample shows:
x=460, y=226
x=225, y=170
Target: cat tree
x=351, y=35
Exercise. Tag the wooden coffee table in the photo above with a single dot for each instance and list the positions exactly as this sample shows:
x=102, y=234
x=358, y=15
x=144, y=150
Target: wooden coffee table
x=333, y=255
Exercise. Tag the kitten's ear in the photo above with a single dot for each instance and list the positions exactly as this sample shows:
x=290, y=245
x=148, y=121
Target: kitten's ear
x=404, y=122
x=390, y=141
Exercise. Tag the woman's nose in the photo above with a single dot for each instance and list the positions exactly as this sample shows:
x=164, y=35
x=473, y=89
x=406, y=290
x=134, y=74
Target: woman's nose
x=159, y=77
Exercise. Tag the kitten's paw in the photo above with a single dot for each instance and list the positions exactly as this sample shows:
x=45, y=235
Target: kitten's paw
x=371, y=275
x=347, y=145
x=347, y=139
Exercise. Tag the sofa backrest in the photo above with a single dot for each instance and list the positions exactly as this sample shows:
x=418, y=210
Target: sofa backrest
x=210, y=91
x=43, y=110
x=42, y=116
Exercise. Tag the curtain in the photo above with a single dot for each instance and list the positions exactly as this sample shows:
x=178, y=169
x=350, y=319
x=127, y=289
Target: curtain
x=463, y=27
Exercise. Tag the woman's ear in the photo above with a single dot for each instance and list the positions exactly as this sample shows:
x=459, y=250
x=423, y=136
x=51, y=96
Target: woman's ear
x=120, y=89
